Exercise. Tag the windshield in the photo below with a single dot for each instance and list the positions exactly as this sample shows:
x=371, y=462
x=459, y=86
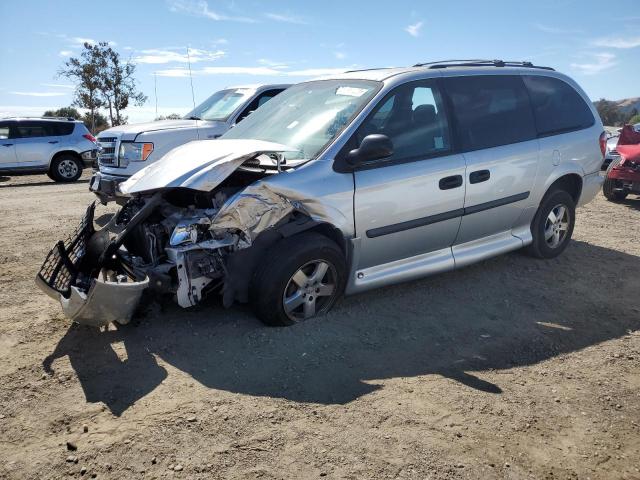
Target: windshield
x=220, y=105
x=306, y=116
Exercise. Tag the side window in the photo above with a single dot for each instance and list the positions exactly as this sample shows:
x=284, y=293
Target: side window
x=413, y=118
x=34, y=130
x=490, y=110
x=62, y=128
x=257, y=102
x=4, y=130
x=557, y=106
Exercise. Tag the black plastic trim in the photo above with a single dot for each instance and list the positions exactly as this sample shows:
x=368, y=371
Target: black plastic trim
x=418, y=222
x=441, y=217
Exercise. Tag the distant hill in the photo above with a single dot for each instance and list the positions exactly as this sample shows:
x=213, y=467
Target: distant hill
x=618, y=112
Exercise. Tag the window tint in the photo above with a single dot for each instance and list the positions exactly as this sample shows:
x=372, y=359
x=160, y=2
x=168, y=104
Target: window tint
x=4, y=130
x=490, y=111
x=557, y=106
x=412, y=116
x=35, y=129
x=63, y=128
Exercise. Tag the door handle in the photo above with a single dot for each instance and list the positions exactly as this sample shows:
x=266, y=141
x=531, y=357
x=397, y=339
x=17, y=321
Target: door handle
x=53, y=141
x=448, y=183
x=479, y=176
x=7, y=144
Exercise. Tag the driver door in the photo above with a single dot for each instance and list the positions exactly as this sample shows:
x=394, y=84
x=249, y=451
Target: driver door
x=411, y=203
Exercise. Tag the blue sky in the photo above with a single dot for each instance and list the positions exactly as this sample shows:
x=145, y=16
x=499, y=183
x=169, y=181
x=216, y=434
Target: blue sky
x=249, y=41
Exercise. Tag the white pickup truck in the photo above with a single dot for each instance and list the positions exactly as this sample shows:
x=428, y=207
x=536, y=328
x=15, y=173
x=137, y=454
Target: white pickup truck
x=125, y=149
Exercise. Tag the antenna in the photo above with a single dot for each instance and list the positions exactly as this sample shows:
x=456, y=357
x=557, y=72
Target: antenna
x=155, y=88
x=193, y=95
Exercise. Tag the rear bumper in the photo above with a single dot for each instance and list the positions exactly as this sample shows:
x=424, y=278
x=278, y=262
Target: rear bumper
x=591, y=185
x=89, y=157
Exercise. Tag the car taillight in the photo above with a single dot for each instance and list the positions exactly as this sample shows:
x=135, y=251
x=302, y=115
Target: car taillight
x=90, y=137
x=603, y=143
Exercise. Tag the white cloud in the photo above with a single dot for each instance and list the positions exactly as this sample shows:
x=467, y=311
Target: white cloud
x=65, y=53
x=82, y=40
x=267, y=71
x=159, y=56
x=40, y=94
x=600, y=63
x=414, y=29
x=200, y=8
x=57, y=85
x=285, y=18
x=340, y=55
x=617, y=42
x=554, y=30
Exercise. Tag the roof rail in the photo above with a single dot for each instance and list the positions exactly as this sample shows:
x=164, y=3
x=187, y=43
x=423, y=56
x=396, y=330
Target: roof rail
x=42, y=117
x=479, y=63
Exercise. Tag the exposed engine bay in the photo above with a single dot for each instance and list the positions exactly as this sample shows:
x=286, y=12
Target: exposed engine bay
x=180, y=241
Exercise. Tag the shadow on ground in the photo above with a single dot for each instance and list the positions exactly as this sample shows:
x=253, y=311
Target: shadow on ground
x=37, y=184
x=506, y=312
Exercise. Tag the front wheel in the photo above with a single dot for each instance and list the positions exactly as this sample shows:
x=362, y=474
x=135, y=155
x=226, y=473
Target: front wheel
x=552, y=225
x=65, y=168
x=301, y=277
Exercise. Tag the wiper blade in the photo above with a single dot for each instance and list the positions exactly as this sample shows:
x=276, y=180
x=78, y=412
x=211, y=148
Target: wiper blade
x=193, y=118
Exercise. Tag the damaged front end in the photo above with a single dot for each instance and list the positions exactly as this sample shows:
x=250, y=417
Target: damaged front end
x=187, y=240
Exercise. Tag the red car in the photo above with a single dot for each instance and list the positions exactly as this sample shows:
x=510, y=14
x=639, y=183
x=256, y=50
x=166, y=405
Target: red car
x=623, y=174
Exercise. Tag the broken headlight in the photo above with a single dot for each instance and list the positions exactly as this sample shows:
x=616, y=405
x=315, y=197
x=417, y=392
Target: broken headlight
x=189, y=231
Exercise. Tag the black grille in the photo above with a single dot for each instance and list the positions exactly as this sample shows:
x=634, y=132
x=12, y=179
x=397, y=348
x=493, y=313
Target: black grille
x=107, y=139
x=108, y=151
x=60, y=268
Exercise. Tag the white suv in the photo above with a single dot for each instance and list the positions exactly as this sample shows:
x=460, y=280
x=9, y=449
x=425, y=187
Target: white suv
x=59, y=147
x=126, y=149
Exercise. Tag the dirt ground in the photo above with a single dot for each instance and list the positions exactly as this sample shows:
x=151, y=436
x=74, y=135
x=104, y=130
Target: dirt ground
x=513, y=368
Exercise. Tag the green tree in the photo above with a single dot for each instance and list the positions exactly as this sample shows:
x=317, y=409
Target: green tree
x=87, y=72
x=67, y=112
x=101, y=122
x=119, y=85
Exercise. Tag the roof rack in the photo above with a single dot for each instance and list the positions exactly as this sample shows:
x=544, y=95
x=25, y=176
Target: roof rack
x=42, y=117
x=479, y=63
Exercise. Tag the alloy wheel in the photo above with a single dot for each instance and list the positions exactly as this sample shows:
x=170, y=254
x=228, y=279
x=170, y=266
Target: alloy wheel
x=310, y=290
x=556, y=225
x=68, y=168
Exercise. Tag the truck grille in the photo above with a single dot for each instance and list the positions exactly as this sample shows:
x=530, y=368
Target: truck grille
x=60, y=269
x=107, y=151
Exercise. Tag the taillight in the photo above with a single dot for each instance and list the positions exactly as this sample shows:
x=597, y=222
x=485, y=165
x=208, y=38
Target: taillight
x=603, y=143
x=90, y=137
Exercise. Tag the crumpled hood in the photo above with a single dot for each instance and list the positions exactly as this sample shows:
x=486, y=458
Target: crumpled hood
x=138, y=128
x=199, y=165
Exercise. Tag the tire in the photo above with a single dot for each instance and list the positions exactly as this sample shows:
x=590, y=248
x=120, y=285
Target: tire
x=65, y=169
x=311, y=293
x=610, y=184
x=550, y=237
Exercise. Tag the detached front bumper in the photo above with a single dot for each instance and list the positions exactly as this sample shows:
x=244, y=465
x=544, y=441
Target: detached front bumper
x=105, y=187
x=97, y=301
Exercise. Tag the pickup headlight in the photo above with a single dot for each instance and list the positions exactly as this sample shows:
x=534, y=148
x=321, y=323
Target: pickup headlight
x=135, y=151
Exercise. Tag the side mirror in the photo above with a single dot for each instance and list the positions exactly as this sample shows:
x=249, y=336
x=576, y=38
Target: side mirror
x=373, y=147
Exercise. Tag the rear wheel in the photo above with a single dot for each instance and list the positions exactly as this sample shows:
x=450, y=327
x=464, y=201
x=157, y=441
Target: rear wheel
x=300, y=278
x=552, y=225
x=611, y=187
x=65, y=168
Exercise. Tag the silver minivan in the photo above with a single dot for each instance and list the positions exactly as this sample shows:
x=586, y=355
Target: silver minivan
x=344, y=184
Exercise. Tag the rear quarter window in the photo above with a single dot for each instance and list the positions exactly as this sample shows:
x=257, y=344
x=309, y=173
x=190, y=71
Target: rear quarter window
x=490, y=110
x=557, y=107
x=63, y=128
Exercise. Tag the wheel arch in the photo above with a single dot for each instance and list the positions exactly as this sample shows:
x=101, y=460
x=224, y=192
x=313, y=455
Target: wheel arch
x=62, y=153
x=570, y=182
